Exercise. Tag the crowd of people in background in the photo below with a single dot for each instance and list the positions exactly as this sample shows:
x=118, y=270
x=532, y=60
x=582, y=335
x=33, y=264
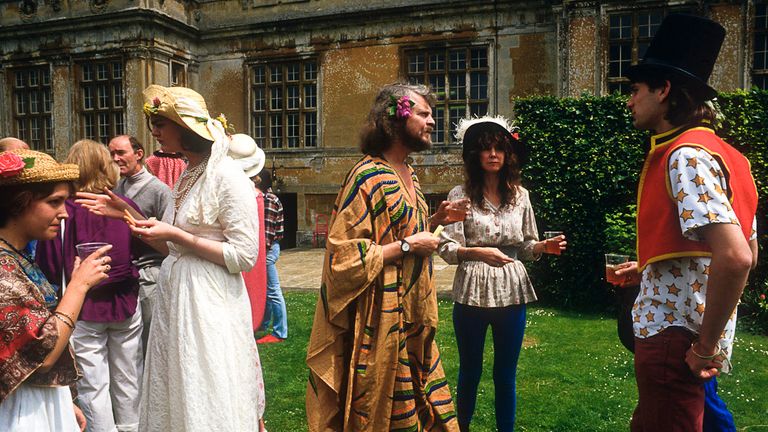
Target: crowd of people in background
x=154, y=327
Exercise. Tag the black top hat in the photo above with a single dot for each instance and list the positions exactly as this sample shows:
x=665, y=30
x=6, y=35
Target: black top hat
x=687, y=46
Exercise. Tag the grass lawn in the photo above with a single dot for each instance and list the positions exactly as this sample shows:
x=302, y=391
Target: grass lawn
x=574, y=374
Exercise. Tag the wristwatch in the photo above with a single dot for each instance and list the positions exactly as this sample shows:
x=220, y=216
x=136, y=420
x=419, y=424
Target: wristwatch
x=405, y=247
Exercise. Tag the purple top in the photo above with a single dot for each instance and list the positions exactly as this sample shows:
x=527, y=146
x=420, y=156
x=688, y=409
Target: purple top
x=115, y=298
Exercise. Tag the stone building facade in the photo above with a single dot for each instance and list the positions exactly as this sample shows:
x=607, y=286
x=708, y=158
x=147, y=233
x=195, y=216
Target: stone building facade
x=299, y=75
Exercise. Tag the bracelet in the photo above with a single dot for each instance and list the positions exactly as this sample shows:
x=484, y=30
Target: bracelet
x=709, y=357
x=72, y=320
x=60, y=318
x=66, y=319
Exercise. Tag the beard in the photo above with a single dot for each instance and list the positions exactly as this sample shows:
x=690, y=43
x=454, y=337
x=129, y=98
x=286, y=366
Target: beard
x=416, y=143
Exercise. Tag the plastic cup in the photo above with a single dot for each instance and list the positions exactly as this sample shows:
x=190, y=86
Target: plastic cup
x=612, y=261
x=84, y=250
x=457, y=212
x=552, y=246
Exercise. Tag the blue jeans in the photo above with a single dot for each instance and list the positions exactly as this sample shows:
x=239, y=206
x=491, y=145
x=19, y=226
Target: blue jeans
x=275, y=308
x=470, y=324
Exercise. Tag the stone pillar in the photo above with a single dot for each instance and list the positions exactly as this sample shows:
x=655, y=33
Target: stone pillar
x=136, y=78
x=66, y=115
x=579, y=48
x=5, y=114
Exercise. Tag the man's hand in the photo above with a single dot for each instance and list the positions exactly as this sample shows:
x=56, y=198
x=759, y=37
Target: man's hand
x=703, y=368
x=628, y=271
x=423, y=243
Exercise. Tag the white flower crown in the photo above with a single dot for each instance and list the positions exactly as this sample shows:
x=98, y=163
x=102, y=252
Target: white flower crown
x=465, y=124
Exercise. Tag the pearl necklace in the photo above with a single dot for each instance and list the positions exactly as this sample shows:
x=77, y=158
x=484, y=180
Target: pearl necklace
x=188, y=179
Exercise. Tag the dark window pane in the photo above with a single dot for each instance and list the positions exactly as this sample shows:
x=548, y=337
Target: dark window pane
x=438, y=134
x=457, y=86
x=310, y=71
x=416, y=63
x=87, y=72
x=276, y=130
x=457, y=60
x=478, y=110
x=276, y=98
x=310, y=129
x=436, y=62
x=259, y=75
x=259, y=100
x=276, y=74
x=293, y=97
x=292, y=71
x=479, y=58
x=479, y=85
x=310, y=96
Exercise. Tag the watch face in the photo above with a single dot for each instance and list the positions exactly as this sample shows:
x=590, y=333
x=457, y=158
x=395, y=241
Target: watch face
x=405, y=246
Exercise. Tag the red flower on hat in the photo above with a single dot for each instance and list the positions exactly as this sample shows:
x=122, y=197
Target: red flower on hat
x=10, y=164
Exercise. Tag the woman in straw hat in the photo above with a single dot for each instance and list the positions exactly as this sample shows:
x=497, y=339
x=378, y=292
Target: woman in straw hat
x=491, y=286
x=202, y=370
x=107, y=340
x=36, y=363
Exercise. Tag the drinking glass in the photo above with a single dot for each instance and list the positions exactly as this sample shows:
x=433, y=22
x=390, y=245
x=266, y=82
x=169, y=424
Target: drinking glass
x=552, y=245
x=612, y=261
x=84, y=250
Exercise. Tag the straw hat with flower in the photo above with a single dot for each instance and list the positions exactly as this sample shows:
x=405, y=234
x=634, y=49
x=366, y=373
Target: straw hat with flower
x=24, y=166
x=187, y=108
x=183, y=106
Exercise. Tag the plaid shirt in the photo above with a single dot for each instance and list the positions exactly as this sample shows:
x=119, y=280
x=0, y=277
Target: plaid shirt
x=273, y=219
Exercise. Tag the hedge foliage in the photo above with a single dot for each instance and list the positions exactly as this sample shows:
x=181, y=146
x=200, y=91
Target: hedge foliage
x=584, y=167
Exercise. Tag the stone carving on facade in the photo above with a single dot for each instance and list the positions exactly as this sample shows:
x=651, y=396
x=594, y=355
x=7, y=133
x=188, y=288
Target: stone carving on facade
x=98, y=6
x=27, y=9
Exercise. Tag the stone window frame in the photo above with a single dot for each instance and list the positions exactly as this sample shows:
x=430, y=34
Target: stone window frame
x=760, y=46
x=629, y=48
x=177, y=74
x=101, y=98
x=288, y=90
x=32, y=106
x=426, y=70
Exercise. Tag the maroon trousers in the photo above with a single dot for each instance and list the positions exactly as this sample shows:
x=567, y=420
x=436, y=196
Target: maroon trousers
x=671, y=398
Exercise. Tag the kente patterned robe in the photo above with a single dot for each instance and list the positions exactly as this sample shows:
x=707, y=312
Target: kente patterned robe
x=373, y=360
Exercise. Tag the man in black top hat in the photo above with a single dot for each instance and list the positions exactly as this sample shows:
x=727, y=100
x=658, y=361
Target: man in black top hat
x=696, y=231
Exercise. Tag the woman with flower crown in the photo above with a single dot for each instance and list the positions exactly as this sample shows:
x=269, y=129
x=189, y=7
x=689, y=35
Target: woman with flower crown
x=37, y=365
x=202, y=369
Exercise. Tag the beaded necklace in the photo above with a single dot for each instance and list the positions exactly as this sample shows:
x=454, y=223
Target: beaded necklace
x=188, y=179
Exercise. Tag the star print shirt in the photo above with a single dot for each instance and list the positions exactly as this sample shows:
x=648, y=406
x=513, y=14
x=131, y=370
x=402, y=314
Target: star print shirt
x=673, y=292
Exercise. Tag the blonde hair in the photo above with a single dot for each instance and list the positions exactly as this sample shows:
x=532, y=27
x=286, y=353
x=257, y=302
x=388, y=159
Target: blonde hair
x=97, y=170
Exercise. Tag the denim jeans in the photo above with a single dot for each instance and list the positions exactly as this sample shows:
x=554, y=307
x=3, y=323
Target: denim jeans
x=275, y=309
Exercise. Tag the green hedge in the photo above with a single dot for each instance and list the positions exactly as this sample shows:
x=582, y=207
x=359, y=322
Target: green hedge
x=583, y=171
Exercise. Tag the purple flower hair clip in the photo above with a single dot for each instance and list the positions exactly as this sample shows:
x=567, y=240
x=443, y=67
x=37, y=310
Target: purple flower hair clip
x=401, y=108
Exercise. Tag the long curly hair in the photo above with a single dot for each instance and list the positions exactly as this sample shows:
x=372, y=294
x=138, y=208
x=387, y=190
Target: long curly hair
x=380, y=128
x=509, y=175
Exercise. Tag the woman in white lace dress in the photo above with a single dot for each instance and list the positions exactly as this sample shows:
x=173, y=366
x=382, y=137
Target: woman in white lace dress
x=202, y=369
x=491, y=285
